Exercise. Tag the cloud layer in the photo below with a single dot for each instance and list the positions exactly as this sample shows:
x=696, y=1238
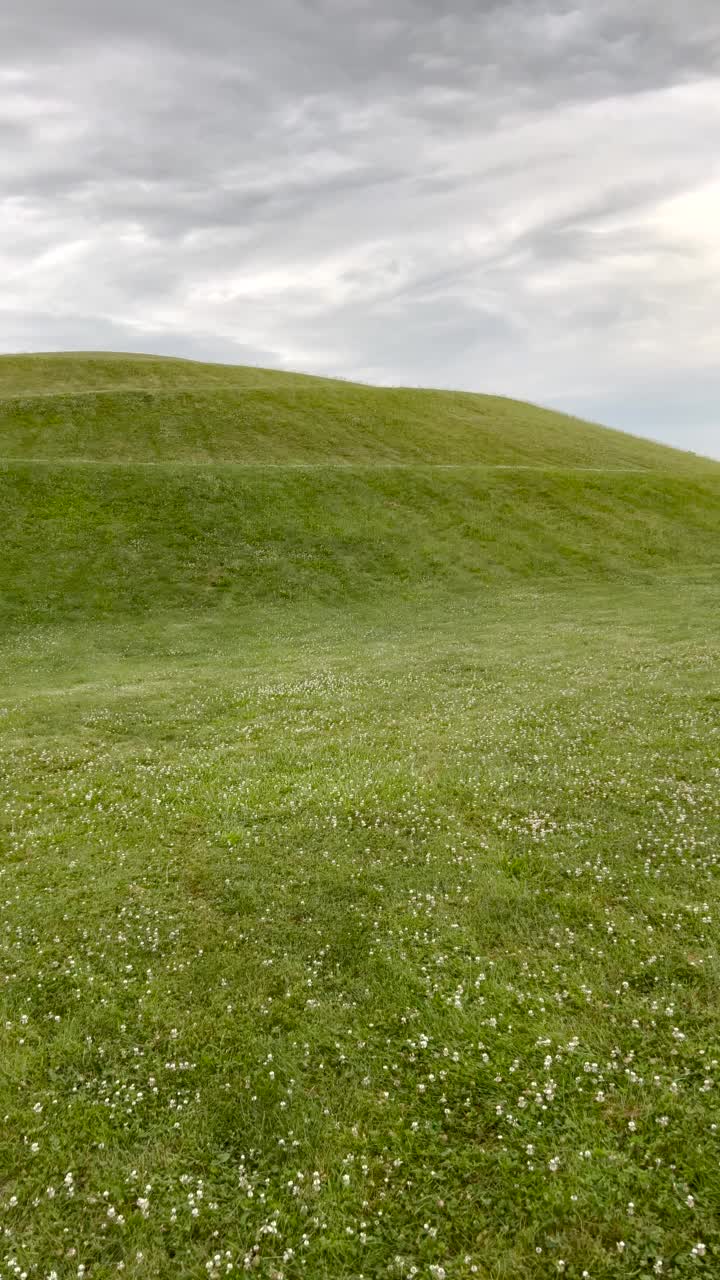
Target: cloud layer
x=521, y=196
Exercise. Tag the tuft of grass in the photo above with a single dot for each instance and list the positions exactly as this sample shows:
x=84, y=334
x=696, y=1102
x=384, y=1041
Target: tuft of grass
x=359, y=830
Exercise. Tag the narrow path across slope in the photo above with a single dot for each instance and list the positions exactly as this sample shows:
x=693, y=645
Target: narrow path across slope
x=323, y=466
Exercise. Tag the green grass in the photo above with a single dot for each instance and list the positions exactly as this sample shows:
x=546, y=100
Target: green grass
x=87, y=541
x=360, y=831
x=142, y=409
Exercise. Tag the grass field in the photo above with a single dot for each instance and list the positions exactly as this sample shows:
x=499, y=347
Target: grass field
x=360, y=823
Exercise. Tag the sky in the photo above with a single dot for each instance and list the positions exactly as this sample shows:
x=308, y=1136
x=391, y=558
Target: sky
x=513, y=196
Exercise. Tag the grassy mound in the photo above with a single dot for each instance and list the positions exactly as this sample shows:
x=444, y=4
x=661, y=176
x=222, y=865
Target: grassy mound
x=358, y=836
x=142, y=409
x=314, y=489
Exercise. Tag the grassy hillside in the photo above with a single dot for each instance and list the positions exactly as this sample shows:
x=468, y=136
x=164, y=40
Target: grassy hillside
x=136, y=409
x=343, y=499
x=98, y=541
x=359, y=834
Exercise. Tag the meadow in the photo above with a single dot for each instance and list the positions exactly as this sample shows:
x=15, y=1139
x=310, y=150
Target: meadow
x=359, y=825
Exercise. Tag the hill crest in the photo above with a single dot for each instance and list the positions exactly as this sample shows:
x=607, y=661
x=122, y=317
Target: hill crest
x=127, y=408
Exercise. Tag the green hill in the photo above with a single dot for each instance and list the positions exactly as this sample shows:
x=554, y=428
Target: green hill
x=145, y=409
x=272, y=486
x=358, y=836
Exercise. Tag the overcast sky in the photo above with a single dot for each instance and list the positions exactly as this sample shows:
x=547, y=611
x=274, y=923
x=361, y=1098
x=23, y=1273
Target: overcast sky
x=520, y=197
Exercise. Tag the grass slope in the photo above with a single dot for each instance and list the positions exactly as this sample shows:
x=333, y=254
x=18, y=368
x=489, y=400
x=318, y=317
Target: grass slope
x=130, y=409
x=353, y=492
x=115, y=542
x=359, y=834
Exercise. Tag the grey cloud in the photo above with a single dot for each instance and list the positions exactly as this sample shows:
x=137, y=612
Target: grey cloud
x=510, y=56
